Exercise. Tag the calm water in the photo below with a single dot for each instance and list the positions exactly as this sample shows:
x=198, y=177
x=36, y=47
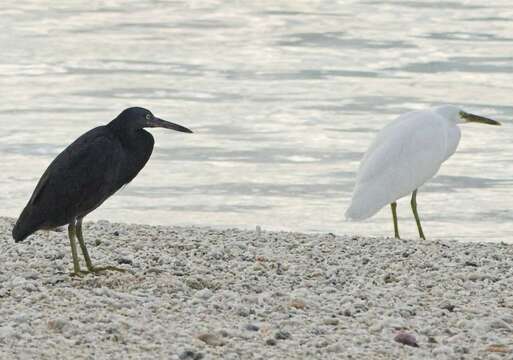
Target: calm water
x=284, y=98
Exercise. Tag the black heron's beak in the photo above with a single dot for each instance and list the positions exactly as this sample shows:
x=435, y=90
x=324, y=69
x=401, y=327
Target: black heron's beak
x=477, y=119
x=156, y=122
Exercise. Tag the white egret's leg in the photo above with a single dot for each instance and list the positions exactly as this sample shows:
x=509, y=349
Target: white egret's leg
x=88, y=261
x=416, y=214
x=71, y=235
x=394, y=216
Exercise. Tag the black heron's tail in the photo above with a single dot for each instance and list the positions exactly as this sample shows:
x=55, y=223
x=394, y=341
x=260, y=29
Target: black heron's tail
x=26, y=224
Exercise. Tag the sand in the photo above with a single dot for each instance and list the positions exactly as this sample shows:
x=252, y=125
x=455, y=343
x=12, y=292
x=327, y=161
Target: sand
x=198, y=293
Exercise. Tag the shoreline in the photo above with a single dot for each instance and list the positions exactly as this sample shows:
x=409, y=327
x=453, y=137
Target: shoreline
x=205, y=293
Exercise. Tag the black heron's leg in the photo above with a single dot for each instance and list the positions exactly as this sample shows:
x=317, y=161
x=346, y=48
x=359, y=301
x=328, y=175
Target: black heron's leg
x=416, y=214
x=83, y=247
x=89, y=263
x=394, y=216
x=74, y=254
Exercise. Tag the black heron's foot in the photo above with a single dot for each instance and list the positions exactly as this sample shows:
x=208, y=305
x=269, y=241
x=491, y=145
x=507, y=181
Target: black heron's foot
x=96, y=270
x=79, y=273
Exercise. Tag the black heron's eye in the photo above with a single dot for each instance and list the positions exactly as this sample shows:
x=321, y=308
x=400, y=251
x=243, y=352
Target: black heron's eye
x=148, y=116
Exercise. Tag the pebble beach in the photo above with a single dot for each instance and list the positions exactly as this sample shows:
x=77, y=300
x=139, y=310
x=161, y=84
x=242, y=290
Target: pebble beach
x=193, y=293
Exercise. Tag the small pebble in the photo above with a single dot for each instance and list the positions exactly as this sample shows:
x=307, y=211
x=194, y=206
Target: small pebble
x=499, y=324
x=389, y=278
x=470, y=263
x=498, y=349
x=447, y=306
x=56, y=324
x=298, y=304
x=282, y=335
x=212, y=339
x=190, y=355
x=124, y=261
x=331, y=321
x=204, y=294
x=252, y=327
x=31, y=275
x=406, y=339
x=270, y=342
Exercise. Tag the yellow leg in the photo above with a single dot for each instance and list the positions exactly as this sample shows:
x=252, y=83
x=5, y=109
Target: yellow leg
x=394, y=216
x=89, y=264
x=71, y=235
x=416, y=214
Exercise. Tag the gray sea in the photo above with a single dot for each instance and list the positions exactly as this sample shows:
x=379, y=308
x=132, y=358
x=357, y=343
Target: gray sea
x=284, y=98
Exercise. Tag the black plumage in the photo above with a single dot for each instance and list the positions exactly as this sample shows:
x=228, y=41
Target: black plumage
x=88, y=172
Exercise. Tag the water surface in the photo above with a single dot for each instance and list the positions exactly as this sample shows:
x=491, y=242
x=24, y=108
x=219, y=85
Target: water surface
x=283, y=96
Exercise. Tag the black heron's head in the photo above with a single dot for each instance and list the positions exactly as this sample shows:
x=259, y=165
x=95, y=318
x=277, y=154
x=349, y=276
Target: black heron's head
x=136, y=118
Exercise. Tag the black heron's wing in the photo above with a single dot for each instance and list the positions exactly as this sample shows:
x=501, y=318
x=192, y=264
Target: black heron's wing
x=80, y=179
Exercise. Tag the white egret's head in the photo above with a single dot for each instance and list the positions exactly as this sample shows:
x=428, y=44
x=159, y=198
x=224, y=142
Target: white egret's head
x=458, y=116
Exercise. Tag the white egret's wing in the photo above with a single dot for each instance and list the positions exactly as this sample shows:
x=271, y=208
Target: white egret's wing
x=404, y=155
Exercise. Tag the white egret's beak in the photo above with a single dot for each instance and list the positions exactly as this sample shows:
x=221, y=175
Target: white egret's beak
x=467, y=117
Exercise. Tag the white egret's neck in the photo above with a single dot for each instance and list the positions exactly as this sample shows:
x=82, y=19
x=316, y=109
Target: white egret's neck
x=448, y=112
x=451, y=114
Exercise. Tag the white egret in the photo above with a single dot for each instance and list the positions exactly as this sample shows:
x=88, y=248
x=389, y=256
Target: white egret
x=405, y=154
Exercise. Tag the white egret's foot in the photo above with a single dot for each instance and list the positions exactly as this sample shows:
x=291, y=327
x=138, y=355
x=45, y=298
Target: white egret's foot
x=96, y=270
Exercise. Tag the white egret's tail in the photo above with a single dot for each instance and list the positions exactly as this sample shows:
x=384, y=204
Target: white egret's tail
x=368, y=199
x=359, y=210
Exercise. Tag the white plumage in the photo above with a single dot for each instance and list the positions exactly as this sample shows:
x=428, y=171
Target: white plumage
x=404, y=155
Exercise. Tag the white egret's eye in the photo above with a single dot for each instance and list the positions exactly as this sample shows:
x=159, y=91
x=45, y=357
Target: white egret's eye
x=148, y=116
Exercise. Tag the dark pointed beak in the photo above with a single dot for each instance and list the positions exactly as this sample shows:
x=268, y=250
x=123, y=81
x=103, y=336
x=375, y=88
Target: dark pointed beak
x=478, y=119
x=156, y=122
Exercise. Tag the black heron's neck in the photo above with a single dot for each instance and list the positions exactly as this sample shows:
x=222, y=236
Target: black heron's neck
x=123, y=127
x=137, y=145
x=127, y=131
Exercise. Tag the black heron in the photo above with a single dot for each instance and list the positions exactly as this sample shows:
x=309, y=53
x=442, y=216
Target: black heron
x=87, y=173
